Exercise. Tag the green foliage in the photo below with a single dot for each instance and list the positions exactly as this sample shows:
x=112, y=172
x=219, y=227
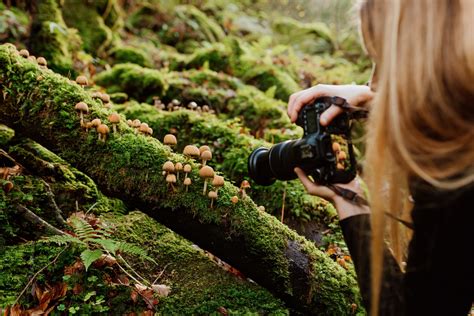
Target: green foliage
x=132, y=55
x=13, y=24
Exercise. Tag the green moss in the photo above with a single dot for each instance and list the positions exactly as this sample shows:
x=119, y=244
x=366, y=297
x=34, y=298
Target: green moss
x=6, y=134
x=51, y=38
x=129, y=166
x=14, y=24
x=138, y=82
x=128, y=54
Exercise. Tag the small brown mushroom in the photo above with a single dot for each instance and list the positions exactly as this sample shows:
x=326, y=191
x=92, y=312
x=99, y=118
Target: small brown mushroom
x=170, y=107
x=130, y=123
x=82, y=108
x=261, y=208
x=205, y=108
x=88, y=126
x=171, y=178
x=96, y=95
x=187, y=183
x=114, y=118
x=82, y=81
x=342, y=155
x=175, y=102
x=244, y=185
x=217, y=182
x=192, y=105
x=203, y=148
x=212, y=195
x=103, y=130
x=96, y=122
x=168, y=167
x=136, y=125
x=143, y=128
x=24, y=53
x=7, y=186
x=150, y=131
x=105, y=98
x=340, y=166
x=31, y=58
x=206, y=173
x=186, y=169
x=170, y=140
x=205, y=156
x=176, y=108
x=336, y=147
x=42, y=62
x=191, y=151
x=178, y=167
x=234, y=199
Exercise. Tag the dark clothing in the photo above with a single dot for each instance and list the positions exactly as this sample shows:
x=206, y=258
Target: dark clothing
x=439, y=278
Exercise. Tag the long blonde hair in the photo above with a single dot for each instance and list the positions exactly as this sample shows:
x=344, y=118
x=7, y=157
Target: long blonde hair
x=422, y=120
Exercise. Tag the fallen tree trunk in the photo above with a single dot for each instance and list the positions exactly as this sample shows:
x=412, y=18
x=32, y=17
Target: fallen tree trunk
x=40, y=104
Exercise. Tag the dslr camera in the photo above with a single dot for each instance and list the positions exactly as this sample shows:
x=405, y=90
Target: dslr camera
x=319, y=153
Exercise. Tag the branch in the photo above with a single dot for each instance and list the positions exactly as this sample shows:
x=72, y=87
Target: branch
x=35, y=219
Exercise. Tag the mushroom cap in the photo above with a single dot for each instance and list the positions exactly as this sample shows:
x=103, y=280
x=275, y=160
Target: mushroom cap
x=32, y=58
x=95, y=94
x=82, y=107
x=89, y=125
x=206, y=155
x=234, y=199
x=114, y=118
x=191, y=150
x=187, y=168
x=175, y=102
x=150, y=131
x=336, y=147
x=205, y=108
x=218, y=181
x=187, y=181
x=192, y=105
x=136, y=123
x=206, y=172
x=261, y=208
x=24, y=53
x=340, y=166
x=42, y=61
x=168, y=166
x=96, y=122
x=143, y=128
x=178, y=166
x=102, y=129
x=203, y=148
x=212, y=194
x=171, y=178
x=170, y=139
x=245, y=184
x=105, y=97
x=342, y=155
x=82, y=80
x=129, y=122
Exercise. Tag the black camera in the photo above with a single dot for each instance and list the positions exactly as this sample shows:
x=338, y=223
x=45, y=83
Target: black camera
x=324, y=152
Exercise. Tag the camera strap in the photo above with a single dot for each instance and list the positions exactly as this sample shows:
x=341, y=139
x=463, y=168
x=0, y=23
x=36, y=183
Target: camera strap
x=355, y=113
x=349, y=195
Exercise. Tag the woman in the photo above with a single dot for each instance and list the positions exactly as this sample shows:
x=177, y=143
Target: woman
x=420, y=146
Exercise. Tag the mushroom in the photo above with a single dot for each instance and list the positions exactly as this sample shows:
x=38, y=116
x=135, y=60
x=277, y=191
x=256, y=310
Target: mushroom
x=178, y=167
x=150, y=131
x=206, y=173
x=217, y=182
x=192, y=105
x=114, y=118
x=130, y=123
x=261, y=208
x=170, y=107
x=175, y=102
x=186, y=169
x=191, y=151
x=82, y=108
x=340, y=166
x=342, y=155
x=171, y=178
x=212, y=195
x=168, y=167
x=143, y=128
x=42, y=62
x=205, y=156
x=96, y=94
x=205, y=108
x=170, y=140
x=105, y=98
x=234, y=199
x=244, y=185
x=103, y=130
x=136, y=124
x=187, y=183
x=24, y=53
x=203, y=148
x=7, y=186
x=31, y=58
x=176, y=108
x=82, y=81
x=88, y=125
x=96, y=122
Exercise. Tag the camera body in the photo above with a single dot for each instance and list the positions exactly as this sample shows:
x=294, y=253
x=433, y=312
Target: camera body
x=313, y=153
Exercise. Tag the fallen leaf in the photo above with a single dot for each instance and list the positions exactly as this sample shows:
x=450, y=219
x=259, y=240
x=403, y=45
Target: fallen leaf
x=161, y=289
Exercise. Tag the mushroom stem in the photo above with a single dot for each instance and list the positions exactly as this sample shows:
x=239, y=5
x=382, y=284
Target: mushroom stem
x=172, y=187
x=82, y=118
x=177, y=176
x=99, y=136
x=114, y=126
x=187, y=188
x=205, y=187
x=212, y=202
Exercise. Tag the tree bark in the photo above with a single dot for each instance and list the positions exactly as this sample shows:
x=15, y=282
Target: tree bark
x=40, y=104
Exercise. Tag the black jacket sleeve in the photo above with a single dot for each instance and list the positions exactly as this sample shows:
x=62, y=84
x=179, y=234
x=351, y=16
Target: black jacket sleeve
x=439, y=278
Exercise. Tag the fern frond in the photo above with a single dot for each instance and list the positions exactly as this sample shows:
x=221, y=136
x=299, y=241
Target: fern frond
x=89, y=256
x=133, y=250
x=82, y=228
x=107, y=244
x=61, y=240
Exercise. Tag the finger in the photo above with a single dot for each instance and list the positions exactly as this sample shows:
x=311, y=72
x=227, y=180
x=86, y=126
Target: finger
x=330, y=114
x=291, y=103
x=306, y=97
x=313, y=188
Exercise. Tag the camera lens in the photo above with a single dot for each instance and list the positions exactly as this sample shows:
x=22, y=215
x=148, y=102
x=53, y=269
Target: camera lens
x=267, y=165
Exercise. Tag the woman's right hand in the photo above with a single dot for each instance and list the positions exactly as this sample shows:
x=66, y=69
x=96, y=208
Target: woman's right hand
x=355, y=95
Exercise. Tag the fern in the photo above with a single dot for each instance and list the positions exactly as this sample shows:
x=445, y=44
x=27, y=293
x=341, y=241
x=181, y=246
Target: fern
x=62, y=240
x=133, y=250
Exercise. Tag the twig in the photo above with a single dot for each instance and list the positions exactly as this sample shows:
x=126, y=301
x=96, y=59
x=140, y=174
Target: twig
x=125, y=271
x=36, y=274
x=35, y=219
x=136, y=273
x=161, y=273
x=56, y=210
x=92, y=207
x=283, y=204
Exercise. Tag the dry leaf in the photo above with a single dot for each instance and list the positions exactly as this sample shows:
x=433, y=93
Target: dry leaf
x=161, y=289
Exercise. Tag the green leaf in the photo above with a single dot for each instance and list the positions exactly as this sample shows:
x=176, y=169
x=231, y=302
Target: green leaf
x=108, y=244
x=89, y=295
x=89, y=256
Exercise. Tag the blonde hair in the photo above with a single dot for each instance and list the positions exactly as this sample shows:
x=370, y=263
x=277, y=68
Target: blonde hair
x=422, y=121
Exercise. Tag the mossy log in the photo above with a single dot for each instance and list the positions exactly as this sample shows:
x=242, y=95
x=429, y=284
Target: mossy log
x=40, y=104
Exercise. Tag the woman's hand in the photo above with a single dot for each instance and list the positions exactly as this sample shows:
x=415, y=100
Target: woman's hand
x=355, y=95
x=344, y=208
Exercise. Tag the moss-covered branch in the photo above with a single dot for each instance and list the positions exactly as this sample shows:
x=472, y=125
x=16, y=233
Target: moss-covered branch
x=40, y=104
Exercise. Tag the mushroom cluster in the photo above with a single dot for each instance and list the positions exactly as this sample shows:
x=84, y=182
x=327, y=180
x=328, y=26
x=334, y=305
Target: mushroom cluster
x=341, y=156
x=176, y=105
x=140, y=127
